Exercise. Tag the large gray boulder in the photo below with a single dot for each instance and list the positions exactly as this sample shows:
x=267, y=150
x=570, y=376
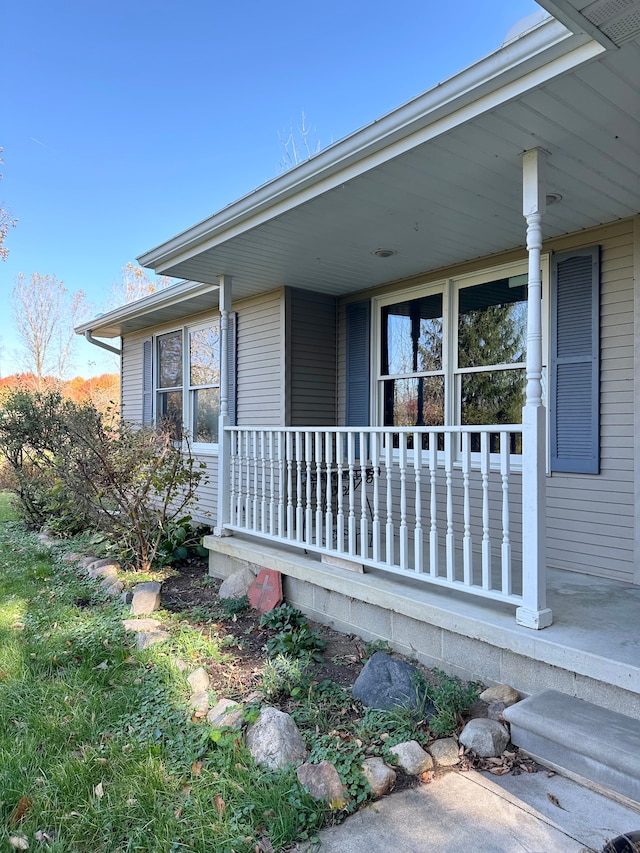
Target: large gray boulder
x=487, y=738
x=274, y=740
x=146, y=598
x=237, y=585
x=387, y=682
x=323, y=783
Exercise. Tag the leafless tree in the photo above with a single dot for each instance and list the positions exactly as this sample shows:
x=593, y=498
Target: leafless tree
x=6, y=221
x=45, y=314
x=134, y=284
x=299, y=143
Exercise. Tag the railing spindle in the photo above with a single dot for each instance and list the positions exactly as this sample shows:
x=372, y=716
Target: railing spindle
x=486, y=538
x=505, y=467
x=467, y=552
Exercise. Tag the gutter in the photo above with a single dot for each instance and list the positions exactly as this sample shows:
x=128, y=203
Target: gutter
x=89, y=337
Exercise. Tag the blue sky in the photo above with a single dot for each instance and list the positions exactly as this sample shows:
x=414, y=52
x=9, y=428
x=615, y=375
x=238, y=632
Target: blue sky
x=124, y=123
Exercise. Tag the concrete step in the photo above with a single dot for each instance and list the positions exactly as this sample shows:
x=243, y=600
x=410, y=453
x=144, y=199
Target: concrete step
x=580, y=739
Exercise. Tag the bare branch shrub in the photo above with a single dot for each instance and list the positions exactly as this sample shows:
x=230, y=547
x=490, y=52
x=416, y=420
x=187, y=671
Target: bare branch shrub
x=130, y=484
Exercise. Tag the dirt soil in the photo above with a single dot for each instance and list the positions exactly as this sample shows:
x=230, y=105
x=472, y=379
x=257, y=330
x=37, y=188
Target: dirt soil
x=192, y=593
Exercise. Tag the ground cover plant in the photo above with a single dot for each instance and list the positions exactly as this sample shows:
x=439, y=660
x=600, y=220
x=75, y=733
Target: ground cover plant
x=98, y=750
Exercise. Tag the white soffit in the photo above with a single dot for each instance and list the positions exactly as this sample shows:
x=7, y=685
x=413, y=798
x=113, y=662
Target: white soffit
x=612, y=22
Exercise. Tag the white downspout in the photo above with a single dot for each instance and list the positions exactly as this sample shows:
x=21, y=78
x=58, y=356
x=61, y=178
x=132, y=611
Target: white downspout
x=534, y=612
x=89, y=337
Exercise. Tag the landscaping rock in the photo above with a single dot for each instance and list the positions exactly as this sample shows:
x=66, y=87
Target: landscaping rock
x=114, y=589
x=98, y=562
x=140, y=625
x=199, y=703
x=87, y=561
x=380, y=777
x=487, y=738
x=109, y=580
x=445, y=752
x=237, y=585
x=199, y=680
x=109, y=570
x=226, y=714
x=412, y=758
x=146, y=598
x=387, y=682
x=500, y=693
x=323, y=783
x=274, y=740
x=149, y=638
x=71, y=557
x=495, y=711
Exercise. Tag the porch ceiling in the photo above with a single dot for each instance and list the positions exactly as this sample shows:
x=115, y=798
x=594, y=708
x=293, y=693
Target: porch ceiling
x=447, y=192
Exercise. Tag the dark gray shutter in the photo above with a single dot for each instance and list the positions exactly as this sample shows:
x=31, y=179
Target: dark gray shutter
x=147, y=382
x=232, y=358
x=574, y=399
x=358, y=364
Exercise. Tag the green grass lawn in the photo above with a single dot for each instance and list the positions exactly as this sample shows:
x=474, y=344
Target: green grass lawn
x=97, y=752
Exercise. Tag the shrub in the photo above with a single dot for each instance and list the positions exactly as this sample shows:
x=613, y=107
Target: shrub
x=131, y=484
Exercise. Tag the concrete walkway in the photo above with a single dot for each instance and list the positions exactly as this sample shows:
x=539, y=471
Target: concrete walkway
x=481, y=813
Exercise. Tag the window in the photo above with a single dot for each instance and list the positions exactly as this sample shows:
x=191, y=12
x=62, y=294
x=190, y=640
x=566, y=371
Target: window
x=188, y=382
x=454, y=352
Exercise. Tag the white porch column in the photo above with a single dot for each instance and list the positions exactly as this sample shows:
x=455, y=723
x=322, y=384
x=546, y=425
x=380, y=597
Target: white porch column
x=534, y=612
x=224, y=458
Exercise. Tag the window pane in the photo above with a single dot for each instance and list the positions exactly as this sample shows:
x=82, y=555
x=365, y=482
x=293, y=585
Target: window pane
x=492, y=323
x=206, y=411
x=170, y=411
x=412, y=336
x=170, y=360
x=414, y=402
x=493, y=397
x=204, y=355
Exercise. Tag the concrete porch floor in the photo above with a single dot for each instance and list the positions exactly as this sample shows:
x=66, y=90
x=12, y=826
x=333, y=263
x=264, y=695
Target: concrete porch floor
x=591, y=651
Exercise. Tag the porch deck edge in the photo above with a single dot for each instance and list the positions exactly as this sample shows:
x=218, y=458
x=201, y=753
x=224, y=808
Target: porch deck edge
x=451, y=626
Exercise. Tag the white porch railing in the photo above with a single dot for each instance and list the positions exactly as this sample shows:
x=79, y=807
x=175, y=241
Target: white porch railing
x=441, y=505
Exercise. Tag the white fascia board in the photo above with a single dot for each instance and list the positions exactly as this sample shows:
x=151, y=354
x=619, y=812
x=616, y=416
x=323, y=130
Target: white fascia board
x=537, y=56
x=148, y=305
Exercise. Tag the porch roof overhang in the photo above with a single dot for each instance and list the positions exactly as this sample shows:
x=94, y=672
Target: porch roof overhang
x=173, y=303
x=439, y=180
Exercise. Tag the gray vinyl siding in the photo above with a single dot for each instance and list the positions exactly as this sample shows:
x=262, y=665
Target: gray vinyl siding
x=260, y=374
x=311, y=344
x=131, y=377
x=590, y=518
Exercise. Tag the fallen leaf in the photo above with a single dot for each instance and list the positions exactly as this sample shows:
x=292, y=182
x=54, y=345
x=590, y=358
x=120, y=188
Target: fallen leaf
x=220, y=805
x=101, y=760
x=17, y=815
x=555, y=801
x=177, y=812
x=42, y=836
x=98, y=791
x=18, y=842
x=196, y=768
x=103, y=665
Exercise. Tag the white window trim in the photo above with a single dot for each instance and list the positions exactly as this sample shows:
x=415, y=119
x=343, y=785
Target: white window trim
x=450, y=288
x=199, y=448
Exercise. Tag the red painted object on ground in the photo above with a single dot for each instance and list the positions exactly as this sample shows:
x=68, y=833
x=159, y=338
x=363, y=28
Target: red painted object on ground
x=265, y=592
